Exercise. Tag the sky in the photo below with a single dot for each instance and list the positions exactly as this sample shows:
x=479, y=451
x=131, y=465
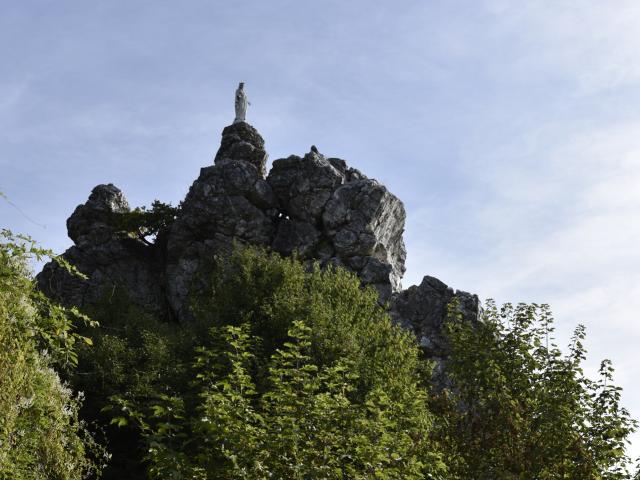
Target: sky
x=509, y=129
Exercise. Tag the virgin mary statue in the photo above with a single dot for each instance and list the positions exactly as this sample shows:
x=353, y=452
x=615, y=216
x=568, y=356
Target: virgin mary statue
x=241, y=104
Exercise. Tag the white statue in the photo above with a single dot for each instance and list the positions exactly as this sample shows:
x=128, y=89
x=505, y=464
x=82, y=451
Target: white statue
x=241, y=104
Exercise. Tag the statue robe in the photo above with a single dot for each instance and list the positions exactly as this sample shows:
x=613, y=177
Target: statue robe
x=241, y=106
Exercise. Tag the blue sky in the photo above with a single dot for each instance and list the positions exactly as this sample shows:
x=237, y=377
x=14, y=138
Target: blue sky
x=510, y=129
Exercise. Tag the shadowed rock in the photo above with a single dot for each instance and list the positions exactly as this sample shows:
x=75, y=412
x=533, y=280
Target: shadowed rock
x=240, y=141
x=315, y=206
x=423, y=310
x=229, y=203
x=107, y=257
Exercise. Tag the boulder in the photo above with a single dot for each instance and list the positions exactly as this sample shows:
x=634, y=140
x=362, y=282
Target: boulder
x=240, y=141
x=363, y=219
x=107, y=257
x=303, y=186
x=335, y=214
x=90, y=222
x=423, y=309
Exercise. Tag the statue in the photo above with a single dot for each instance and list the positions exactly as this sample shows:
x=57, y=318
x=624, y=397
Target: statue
x=241, y=104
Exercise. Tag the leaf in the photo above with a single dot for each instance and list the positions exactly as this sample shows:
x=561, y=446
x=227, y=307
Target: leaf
x=119, y=421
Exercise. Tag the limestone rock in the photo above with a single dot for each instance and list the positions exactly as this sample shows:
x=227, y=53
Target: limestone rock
x=89, y=223
x=303, y=186
x=229, y=202
x=107, y=257
x=337, y=215
x=315, y=206
x=423, y=310
x=240, y=141
x=298, y=236
x=350, y=174
x=363, y=219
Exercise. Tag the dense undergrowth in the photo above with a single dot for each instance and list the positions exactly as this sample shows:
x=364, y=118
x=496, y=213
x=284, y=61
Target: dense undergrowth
x=288, y=372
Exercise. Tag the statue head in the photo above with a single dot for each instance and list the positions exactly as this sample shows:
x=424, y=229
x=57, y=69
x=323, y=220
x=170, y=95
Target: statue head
x=241, y=86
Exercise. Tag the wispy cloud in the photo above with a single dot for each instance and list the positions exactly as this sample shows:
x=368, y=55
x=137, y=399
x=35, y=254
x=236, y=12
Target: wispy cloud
x=595, y=44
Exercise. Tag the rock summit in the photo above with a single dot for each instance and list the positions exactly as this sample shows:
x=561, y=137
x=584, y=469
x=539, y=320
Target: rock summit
x=314, y=205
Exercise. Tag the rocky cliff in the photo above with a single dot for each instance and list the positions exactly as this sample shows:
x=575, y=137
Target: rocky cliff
x=313, y=205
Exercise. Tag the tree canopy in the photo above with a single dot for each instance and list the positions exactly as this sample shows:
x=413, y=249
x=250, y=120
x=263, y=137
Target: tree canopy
x=300, y=374
x=521, y=408
x=291, y=371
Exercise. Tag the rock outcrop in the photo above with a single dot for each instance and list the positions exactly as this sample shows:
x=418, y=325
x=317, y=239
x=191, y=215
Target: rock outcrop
x=423, y=309
x=229, y=202
x=335, y=214
x=106, y=257
x=242, y=141
x=313, y=205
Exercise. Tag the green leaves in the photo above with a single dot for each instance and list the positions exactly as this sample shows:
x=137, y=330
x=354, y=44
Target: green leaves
x=295, y=374
x=119, y=421
x=520, y=408
x=41, y=436
x=143, y=223
x=306, y=424
x=269, y=293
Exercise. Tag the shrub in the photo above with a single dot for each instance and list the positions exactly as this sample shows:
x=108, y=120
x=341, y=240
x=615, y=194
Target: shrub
x=300, y=374
x=40, y=434
x=520, y=408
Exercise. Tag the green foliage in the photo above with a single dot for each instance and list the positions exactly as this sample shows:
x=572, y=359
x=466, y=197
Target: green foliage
x=131, y=353
x=300, y=375
x=307, y=424
x=143, y=223
x=291, y=372
x=40, y=434
x=521, y=409
x=269, y=293
x=133, y=356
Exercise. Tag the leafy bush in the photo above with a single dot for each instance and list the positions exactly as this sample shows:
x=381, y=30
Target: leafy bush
x=291, y=372
x=134, y=356
x=143, y=223
x=520, y=408
x=269, y=293
x=306, y=425
x=301, y=375
x=40, y=434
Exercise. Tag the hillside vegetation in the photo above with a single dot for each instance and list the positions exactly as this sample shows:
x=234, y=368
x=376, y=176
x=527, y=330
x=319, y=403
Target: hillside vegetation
x=288, y=372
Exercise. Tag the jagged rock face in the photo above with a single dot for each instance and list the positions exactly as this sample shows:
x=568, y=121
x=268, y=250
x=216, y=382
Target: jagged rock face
x=229, y=202
x=89, y=224
x=108, y=258
x=312, y=205
x=303, y=186
x=289, y=211
x=240, y=141
x=337, y=215
x=423, y=310
x=364, y=220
